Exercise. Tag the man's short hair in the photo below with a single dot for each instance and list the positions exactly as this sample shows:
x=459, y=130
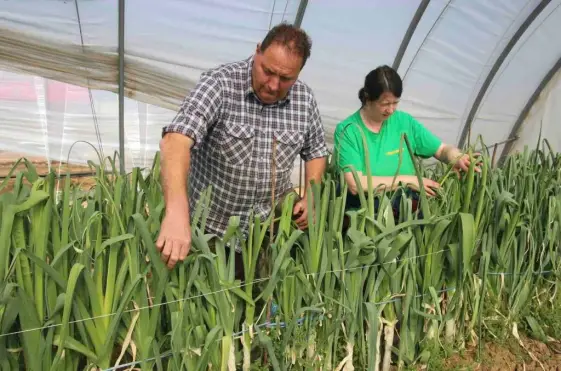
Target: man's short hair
x=290, y=36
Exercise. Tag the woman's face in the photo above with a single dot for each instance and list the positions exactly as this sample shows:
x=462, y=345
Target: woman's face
x=382, y=108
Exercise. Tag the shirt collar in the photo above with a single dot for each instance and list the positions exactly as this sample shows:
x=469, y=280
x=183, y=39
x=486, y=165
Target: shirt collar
x=248, y=87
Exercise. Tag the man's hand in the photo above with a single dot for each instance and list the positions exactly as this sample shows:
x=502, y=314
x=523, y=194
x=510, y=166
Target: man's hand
x=174, y=240
x=314, y=172
x=301, y=212
x=412, y=182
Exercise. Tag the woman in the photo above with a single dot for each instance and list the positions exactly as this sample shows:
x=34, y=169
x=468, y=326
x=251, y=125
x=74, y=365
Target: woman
x=379, y=126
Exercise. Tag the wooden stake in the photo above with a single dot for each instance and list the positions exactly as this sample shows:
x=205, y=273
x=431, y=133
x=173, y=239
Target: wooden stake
x=272, y=227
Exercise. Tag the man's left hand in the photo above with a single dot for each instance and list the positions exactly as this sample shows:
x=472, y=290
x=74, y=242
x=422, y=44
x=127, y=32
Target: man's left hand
x=300, y=211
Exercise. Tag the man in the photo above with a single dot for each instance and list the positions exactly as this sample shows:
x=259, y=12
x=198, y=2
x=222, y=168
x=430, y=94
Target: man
x=224, y=135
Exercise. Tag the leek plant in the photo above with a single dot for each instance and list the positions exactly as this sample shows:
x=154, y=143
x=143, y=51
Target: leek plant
x=83, y=287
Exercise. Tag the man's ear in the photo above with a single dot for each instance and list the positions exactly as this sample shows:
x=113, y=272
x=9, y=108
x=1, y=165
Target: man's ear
x=258, y=48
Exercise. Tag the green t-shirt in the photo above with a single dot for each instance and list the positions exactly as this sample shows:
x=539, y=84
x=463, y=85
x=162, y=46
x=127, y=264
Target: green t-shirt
x=384, y=147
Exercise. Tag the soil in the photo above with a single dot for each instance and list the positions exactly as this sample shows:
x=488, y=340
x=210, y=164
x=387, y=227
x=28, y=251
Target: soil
x=510, y=356
x=8, y=159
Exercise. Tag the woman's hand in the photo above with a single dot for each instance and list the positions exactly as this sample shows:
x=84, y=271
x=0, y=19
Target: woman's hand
x=463, y=163
x=412, y=182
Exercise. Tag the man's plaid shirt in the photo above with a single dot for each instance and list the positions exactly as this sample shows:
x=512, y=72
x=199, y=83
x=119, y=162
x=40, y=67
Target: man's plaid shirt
x=233, y=134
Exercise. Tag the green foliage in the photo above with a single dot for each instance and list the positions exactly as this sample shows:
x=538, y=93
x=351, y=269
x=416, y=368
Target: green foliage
x=82, y=285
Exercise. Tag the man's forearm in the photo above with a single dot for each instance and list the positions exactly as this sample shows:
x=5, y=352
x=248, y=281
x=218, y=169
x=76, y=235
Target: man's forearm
x=175, y=154
x=314, y=172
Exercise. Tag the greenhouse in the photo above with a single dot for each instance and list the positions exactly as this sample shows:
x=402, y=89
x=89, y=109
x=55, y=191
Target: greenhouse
x=467, y=281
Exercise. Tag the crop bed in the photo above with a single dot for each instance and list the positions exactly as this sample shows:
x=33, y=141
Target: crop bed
x=82, y=285
x=12, y=163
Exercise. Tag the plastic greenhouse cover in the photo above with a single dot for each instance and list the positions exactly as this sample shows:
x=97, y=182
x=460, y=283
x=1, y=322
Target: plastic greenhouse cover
x=170, y=42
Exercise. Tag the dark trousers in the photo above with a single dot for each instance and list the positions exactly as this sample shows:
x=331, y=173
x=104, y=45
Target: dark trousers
x=264, y=253
x=353, y=203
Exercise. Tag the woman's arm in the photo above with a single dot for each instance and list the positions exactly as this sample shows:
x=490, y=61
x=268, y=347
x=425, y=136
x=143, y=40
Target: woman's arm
x=389, y=183
x=381, y=182
x=429, y=145
x=450, y=154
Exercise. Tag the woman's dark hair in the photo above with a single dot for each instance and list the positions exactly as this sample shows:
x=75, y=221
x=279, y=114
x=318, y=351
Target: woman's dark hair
x=382, y=79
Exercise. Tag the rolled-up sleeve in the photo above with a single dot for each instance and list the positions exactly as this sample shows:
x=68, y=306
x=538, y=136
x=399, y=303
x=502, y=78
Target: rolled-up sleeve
x=314, y=145
x=199, y=110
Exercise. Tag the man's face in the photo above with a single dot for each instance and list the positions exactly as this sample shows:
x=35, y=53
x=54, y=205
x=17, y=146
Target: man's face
x=274, y=72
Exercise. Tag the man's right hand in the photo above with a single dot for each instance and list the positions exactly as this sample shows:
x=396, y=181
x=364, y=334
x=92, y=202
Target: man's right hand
x=412, y=182
x=174, y=240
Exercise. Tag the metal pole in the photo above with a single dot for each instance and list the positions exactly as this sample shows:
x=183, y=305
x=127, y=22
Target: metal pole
x=122, y=85
x=409, y=34
x=300, y=14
